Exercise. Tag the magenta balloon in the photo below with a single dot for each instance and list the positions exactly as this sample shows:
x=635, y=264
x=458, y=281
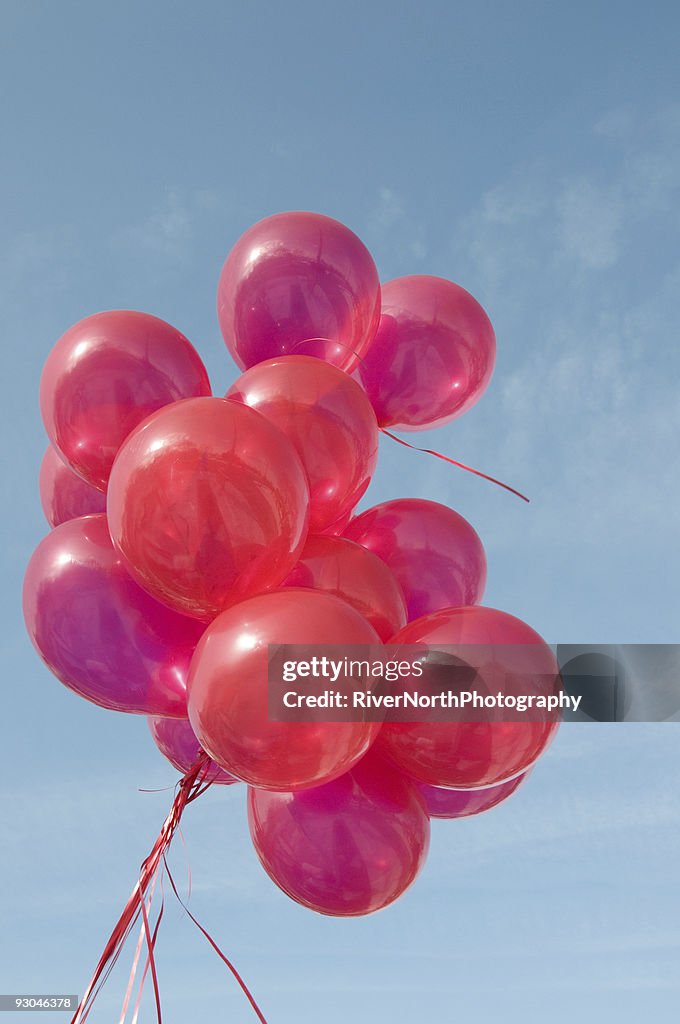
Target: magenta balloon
x=432, y=356
x=177, y=742
x=435, y=554
x=63, y=494
x=463, y=803
x=104, y=376
x=346, y=848
x=298, y=284
x=98, y=631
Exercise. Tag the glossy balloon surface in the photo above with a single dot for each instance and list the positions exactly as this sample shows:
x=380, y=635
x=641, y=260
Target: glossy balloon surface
x=341, y=567
x=177, y=742
x=347, y=848
x=464, y=803
x=298, y=284
x=104, y=376
x=432, y=356
x=98, y=631
x=467, y=755
x=435, y=554
x=329, y=420
x=228, y=691
x=63, y=494
x=208, y=502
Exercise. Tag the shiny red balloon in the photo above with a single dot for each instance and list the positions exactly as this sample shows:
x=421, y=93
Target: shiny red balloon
x=63, y=494
x=330, y=422
x=432, y=356
x=208, y=502
x=435, y=554
x=98, y=631
x=177, y=742
x=228, y=691
x=341, y=567
x=344, y=849
x=464, y=803
x=298, y=284
x=462, y=754
x=104, y=376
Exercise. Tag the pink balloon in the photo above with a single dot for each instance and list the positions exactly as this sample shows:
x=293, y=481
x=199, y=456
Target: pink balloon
x=432, y=356
x=100, y=633
x=298, y=284
x=344, y=849
x=328, y=419
x=228, y=691
x=341, y=567
x=473, y=754
x=63, y=494
x=463, y=803
x=104, y=376
x=435, y=554
x=177, y=742
x=208, y=502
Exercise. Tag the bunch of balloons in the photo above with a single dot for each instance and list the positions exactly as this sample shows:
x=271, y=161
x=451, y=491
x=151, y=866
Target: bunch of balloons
x=192, y=531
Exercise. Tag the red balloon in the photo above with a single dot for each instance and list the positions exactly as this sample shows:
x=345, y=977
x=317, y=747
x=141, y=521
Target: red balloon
x=435, y=554
x=343, y=568
x=337, y=528
x=104, y=376
x=208, y=502
x=97, y=631
x=467, y=755
x=464, y=803
x=228, y=691
x=330, y=422
x=432, y=356
x=63, y=494
x=298, y=283
x=347, y=848
x=177, y=742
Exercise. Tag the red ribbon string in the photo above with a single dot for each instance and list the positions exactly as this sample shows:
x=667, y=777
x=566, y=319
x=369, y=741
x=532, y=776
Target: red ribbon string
x=453, y=462
x=191, y=786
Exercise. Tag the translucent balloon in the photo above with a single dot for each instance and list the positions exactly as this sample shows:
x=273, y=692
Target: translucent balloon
x=462, y=754
x=97, y=631
x=63, y=494
x=177, y=742
x=341, y=567
x=435, y=554
x=347, y=848
x=209, y=503
x=298, y=284
x=330, y=422
x=104, y=376
x=432, y=356
x=228, y=691
x=463, y=803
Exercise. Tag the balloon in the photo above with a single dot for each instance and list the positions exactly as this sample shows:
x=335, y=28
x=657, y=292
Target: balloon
x=463, y=803
x=432, y=356
x=468, y=755
x=343, y=568
x=63, y=494
x=347, y=848
x=298, y=283
x=330, y=422
x=177, y=742
x=228, y=690
x=337, y=528
x=104, y=376
x=97, y=631
x=208, y=502
x=435, y=554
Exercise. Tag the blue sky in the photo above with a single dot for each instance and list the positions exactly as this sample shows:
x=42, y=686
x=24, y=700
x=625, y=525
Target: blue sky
x=529, y=151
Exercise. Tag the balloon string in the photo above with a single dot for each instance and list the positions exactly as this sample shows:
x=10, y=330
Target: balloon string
x=230, y=965
x=453, y=462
